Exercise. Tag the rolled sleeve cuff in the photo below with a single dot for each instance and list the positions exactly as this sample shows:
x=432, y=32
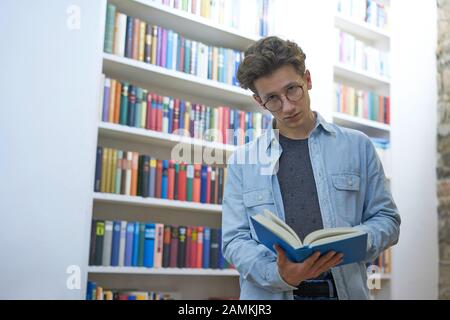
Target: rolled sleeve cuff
x=274, y=277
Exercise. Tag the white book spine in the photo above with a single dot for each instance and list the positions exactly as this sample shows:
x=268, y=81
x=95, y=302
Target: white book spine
x=107, y=243
x=123, y=235
x=128, y=173
x=121, y=35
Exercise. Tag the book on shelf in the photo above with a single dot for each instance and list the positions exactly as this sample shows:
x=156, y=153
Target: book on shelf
x=370, y=11
x=155, y=245
x=96, y=292
x=133, y=38
x=137, y=107
x=130, y=173
x=362, y=104
x=271, y=230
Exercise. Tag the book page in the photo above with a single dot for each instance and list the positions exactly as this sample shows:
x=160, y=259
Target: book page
x=334, y=238
x=282, y=224
x=327, y=233
x=277, y=230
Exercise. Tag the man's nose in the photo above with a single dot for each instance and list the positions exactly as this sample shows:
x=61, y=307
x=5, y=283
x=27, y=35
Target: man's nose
x=287, y=105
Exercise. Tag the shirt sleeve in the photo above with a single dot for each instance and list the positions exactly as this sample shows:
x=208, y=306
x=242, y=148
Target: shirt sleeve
x=381, y=219
x=254, y=261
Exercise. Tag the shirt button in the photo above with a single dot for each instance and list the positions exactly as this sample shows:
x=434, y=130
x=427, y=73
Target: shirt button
x=260, y=198
x=350, y=182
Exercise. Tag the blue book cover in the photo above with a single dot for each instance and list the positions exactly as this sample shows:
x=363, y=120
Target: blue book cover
x=135, y=255
x=129, y=37
x=164, y=186
x=106, y=94
x=169, y=52
x=159, y=47
x=98, y=169
x=206, y=245
x=131, y=105
x=221, y=258
x=171, y=106
x=271, y=230
x=115, y=247
x=91, y=286
x=149, y=245
x=182, y=114
x=203, y=183
x=129, y=244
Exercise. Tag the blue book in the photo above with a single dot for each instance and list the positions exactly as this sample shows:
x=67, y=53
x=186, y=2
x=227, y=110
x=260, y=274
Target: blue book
x=149, y=245
x=129, y=244
x=98, y=169
x=221, y=258
x=135, y=255
x=91, y=286
x=182, y=112
x=171, y=106
x=129, y=37
x=271, y=230
x=169, y=52
x=164, y=185
x=115, y=247
x=206, y=245
x=203, y=183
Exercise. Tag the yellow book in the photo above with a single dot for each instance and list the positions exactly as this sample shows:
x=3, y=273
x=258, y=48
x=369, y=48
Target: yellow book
x=187, y=116
x=112, y=186
x=144, y=108
x=103, y=178
x=154, y=43
x=112, y=101
x=108, y=170
x=108, y=295
x=141, y=40
x=215, y=63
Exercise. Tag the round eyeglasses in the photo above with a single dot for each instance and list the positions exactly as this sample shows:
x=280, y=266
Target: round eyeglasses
x=293, y=93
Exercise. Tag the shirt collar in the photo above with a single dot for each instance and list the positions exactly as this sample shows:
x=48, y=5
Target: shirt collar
x=270, y=135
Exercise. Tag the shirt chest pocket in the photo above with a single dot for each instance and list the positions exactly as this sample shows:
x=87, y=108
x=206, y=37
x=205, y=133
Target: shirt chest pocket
x=255, y=201
x=346, y=182
x=346, y=196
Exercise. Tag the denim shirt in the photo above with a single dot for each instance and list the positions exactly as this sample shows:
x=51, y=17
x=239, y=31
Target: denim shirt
x=352, y=191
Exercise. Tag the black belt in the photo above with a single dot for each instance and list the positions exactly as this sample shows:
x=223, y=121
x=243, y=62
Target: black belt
x=314, y=289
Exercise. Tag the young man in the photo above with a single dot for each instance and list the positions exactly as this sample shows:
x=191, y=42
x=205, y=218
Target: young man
x=320, y=176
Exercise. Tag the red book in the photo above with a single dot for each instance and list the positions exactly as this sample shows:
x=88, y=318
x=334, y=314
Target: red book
x=159, y=114
x=197, y=182
x=208, y=186
x=388, y=110
x=176, y=115
x=153, y=112
x=194, y=246
x=182, y=182
x=200, y=246
x=188, y=256
x=242, y=126
x=171, y=180
x=226, y=124
x=221, y=131
x=148, y=122
x=216, y=191
x=158, y=182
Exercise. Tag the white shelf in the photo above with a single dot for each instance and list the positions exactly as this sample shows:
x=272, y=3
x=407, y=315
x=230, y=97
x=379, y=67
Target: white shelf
x=122, y=132
x=362, y=29
x=371, y=128
x=151, y=75
x=363, y=122
x=157, y=203
x=361, y=76
x=190, y=25
x=162, y=271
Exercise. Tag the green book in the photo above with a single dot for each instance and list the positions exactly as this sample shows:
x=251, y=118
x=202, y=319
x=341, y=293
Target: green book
x=189, y=181
x=109, y=28
x=141, y=244
x=123, y=119
x=138, y=113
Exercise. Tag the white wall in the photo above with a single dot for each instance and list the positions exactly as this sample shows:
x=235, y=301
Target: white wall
x=310, y=24
x=49, y=84
x=414, y=119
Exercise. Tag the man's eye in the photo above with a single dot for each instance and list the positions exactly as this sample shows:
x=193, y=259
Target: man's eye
x=270, y=98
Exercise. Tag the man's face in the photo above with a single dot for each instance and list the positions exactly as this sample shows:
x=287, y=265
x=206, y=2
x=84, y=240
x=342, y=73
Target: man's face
x=292, y=114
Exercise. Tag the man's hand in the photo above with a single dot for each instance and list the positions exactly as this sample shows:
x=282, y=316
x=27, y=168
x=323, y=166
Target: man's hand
x=294, y=273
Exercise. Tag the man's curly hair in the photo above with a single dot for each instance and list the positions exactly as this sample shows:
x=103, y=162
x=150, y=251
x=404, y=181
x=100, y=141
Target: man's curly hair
x=266, y=56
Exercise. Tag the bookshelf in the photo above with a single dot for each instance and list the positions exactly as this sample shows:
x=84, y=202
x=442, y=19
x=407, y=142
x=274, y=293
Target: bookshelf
x=163, y=271
x=378, y=38
x=162, y=81
x=152, y=76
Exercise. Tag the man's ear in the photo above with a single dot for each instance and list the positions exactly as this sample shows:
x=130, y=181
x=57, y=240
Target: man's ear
x=257, y=99
x=307, y=77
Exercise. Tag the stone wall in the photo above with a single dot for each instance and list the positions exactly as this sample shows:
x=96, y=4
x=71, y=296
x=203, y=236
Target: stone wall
x=443, y=166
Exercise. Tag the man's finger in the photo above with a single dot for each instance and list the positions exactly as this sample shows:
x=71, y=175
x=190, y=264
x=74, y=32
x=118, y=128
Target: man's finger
x=312, y=259
x=323, y=261
x=281, y=256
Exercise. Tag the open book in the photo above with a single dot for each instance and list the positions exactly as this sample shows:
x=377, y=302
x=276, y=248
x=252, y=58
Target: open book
x=272, y=230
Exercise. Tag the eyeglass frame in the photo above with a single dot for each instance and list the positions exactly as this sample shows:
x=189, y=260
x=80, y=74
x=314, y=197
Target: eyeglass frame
x=285, y=94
